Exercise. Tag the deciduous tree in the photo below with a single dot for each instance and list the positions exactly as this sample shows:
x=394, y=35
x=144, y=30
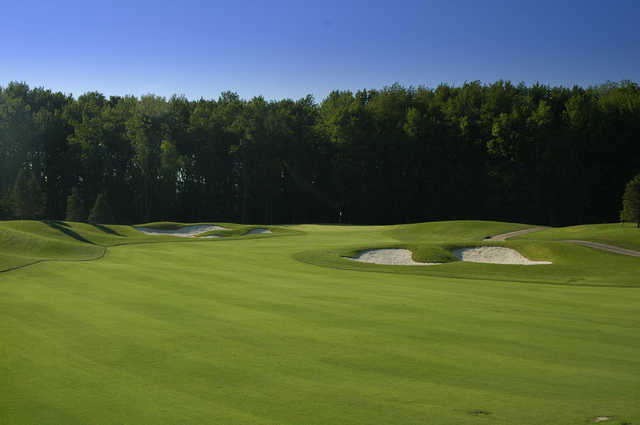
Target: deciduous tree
x=631, y=202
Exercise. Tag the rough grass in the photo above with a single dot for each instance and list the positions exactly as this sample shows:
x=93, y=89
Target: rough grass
x=572, y=264
x=170, y=225
x=27, y=242
x=235, y=230
x=24, y=242
x=423, y=253
x=238, y=331
x=462, y=230
x=625, y=235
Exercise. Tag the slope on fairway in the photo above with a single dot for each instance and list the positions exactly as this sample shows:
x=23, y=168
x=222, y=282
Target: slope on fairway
x=617, y=234
x=27, y=242
x=240, y=332
x=434, y=242
x=459, y=230
x=23, y=242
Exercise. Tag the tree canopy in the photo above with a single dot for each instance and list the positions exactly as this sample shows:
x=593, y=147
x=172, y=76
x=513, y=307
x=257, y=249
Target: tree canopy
x=548, y=155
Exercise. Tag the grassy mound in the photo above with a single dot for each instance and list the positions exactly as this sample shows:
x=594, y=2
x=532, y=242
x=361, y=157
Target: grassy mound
x=422, y=253
x=434, y=242
x=170, y=225
x=572, y=264
x=617, y=234
x=28, y=242
x=24, y=242
x=463, y=230
x=238, y=230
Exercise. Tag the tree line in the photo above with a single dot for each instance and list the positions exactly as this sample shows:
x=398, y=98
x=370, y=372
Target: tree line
x=537, y=154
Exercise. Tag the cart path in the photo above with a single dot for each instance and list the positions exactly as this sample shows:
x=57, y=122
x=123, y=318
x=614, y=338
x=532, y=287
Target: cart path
x=594, y=245
x=605, y=247
x=505, y=236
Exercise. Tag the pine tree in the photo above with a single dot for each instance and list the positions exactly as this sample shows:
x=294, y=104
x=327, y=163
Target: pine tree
x=631, y=202
x=75, y=207
x=28, y=198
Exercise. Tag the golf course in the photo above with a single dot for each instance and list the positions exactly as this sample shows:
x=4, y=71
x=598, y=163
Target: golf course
x=277, y=325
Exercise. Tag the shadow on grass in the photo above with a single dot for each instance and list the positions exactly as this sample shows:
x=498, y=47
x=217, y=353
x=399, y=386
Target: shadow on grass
x=57, y=222
x=105, y=229
x=58, y=225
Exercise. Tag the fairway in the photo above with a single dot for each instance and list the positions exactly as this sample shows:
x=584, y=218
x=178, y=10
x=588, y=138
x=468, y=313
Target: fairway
x=107, y=325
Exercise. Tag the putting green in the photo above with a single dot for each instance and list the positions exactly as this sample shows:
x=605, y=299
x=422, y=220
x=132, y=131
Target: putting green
x=277, y=329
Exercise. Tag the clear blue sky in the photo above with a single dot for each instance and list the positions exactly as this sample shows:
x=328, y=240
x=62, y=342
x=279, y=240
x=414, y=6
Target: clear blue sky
x=282, y=49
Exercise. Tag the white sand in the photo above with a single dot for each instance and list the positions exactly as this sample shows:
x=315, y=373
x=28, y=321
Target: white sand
x=494, y=255
x=185, y=232
x=395, y=256
x=258, y=231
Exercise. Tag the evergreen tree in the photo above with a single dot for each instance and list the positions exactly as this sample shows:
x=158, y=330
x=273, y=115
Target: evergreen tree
x=75, y=207
x=475, y=151
x=101, y=212
x=28, y=199
x=631, y=202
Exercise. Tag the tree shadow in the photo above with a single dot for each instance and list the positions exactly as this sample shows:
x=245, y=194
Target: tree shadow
x=105, y=229
x=58, y=225
x=58, y=222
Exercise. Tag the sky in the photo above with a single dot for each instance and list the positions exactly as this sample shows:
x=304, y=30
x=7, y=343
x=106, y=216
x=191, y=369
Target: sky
x=289, y=49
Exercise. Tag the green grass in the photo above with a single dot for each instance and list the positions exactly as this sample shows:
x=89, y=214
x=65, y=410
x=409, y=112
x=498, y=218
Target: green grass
x=572, y=264
x=240, y=331
x=24, y=242
x=170, y=225
x=425, y=253
x=463, y=230
x=242, y=230
x=28, y=242
x=623, y=235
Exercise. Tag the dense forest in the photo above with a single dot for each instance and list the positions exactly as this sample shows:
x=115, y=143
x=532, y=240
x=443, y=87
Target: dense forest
x=538, y=154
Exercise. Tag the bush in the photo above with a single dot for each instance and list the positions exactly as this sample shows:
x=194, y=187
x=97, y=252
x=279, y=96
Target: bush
x=101, y=212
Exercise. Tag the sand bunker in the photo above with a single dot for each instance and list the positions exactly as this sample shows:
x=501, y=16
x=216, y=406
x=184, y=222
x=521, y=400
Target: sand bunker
x=494, y=255
x=395, y=256
x=258, y=231
x=185, y=232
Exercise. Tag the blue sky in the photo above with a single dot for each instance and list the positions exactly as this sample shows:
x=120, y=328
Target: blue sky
x=282, y=49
